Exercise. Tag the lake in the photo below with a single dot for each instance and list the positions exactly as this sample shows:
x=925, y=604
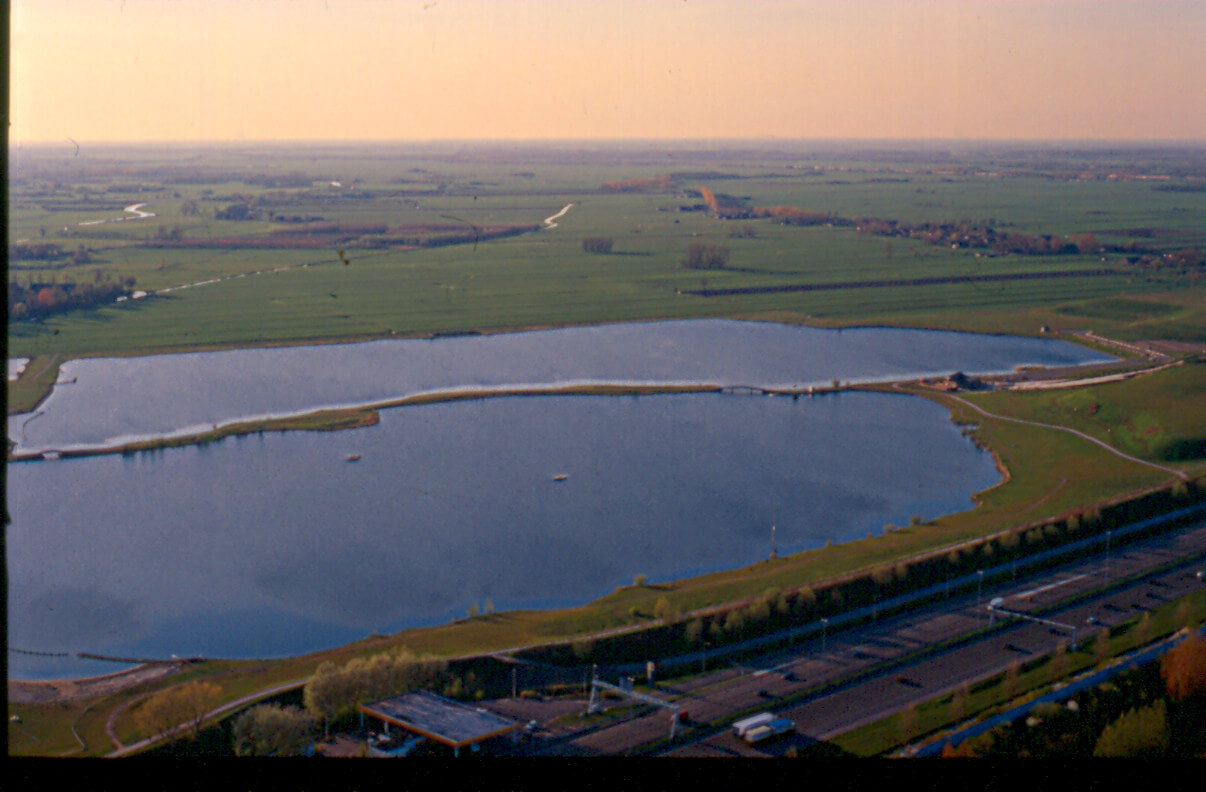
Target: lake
x=273, y=545
x=110, y=400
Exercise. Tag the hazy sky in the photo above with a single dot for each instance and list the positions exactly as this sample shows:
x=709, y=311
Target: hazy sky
x=369, y=70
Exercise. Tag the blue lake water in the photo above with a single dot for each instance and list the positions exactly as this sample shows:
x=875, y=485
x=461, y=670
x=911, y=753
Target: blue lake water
x=273, y=545
x=105, y=400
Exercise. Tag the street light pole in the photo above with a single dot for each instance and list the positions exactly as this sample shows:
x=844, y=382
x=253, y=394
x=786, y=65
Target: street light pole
x=1107, y=563
x=824, y=626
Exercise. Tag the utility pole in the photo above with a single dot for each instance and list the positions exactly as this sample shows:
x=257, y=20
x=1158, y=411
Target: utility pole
x=979, y=585
x=1107, y=563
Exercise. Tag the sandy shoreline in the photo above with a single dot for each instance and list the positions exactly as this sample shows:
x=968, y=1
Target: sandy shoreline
x=50, y=690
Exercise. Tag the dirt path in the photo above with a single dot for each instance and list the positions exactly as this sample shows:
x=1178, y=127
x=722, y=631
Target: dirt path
x=1179, y=474
x=238, y=703
x=1078, y=383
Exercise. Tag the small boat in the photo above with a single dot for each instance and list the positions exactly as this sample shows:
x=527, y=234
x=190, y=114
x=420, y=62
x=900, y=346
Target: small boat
x=561, y=477
x=353, y=457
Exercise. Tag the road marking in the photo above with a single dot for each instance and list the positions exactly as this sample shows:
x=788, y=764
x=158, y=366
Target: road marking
x=1048, y=587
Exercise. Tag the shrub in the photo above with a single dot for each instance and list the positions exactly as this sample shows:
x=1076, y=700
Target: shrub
x=1141, y=732
x=705, y=257
x=273, y=730
x=1183, y=669
x=597, y=244
x=664, y=610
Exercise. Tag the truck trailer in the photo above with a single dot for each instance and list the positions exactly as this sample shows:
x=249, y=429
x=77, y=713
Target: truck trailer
x=745, y=724
x=765, y=731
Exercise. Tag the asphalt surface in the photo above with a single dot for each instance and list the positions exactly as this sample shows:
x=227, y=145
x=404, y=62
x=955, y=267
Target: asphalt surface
x=779, y=681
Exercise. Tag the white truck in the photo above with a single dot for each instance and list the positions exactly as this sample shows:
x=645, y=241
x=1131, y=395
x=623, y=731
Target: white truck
x=765, y=731
x=741, y=727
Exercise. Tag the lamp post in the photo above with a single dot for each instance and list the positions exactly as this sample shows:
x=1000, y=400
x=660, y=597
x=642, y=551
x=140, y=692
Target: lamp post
x=824, y=626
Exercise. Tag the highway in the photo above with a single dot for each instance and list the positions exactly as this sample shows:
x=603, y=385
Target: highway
x=800, y=683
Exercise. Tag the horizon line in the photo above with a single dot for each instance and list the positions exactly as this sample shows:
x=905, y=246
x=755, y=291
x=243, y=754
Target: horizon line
x=617, y=140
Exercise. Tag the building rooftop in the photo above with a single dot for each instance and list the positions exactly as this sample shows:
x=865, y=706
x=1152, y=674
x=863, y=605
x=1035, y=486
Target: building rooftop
x=443, y=720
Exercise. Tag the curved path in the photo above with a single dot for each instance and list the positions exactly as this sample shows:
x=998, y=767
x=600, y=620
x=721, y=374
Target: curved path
x=1179, y=474
x=123, y=750
x=134, y=209
x=549, y=222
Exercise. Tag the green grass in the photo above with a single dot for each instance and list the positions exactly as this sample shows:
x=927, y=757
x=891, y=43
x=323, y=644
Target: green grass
x=34, y=383
x=545, y=279
x=1159, y=416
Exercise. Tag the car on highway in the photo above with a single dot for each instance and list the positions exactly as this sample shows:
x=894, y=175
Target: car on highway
x=1092, y=620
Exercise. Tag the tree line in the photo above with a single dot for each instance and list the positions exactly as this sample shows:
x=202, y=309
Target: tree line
x=30, y=299
x=779, y=609
x=1154, y=711
x=705, y=257
x=597, y=244
x=48, y=251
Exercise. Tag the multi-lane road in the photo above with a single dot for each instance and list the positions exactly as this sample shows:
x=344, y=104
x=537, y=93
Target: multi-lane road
x=836, y=683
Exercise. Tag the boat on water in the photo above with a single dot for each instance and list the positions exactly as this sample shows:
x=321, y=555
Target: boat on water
x=353, y=457
x=561, y=477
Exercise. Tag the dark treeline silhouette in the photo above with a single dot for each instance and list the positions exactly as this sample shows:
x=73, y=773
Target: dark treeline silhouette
x=597, y=244
x=705, y=257
x=32, y=299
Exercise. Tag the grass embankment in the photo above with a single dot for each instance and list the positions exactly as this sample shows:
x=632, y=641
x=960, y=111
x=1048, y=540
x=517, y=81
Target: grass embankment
x=1160, y=417
x=36, y=380
x=318, y=421
x=1022, y=683
x=1049, y=473
x=357, y=417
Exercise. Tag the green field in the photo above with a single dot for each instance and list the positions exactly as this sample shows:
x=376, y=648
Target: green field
x=546, y=279
x=1160, y=417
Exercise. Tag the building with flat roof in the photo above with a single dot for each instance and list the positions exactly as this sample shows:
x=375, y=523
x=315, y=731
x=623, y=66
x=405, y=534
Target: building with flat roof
x=439, y=719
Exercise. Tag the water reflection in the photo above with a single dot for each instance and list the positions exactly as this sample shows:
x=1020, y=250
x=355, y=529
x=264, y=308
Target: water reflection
x=274, y=544
x=112, y=399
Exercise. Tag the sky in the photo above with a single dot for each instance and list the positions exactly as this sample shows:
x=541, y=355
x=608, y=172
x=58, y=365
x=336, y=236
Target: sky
x=245, y=70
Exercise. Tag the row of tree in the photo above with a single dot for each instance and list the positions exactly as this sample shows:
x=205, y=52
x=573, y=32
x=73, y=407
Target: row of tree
x=48, y=251
x=1155, y=711
x=29, y=299
x=334, y=691
x=778, y=609
x=700, y=256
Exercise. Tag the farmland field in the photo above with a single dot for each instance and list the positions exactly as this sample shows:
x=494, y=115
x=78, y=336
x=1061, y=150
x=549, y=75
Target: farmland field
x=236, y=246
x=355, y=242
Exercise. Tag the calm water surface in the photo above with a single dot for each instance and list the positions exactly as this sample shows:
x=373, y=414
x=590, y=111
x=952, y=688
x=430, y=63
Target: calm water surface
x=109, y=400
x=274, y=545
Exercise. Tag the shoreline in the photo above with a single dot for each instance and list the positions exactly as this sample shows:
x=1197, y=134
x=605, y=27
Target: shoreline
x=367, y=414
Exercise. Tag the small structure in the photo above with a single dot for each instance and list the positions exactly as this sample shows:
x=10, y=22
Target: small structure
x=439, y=719
x=624, y=689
